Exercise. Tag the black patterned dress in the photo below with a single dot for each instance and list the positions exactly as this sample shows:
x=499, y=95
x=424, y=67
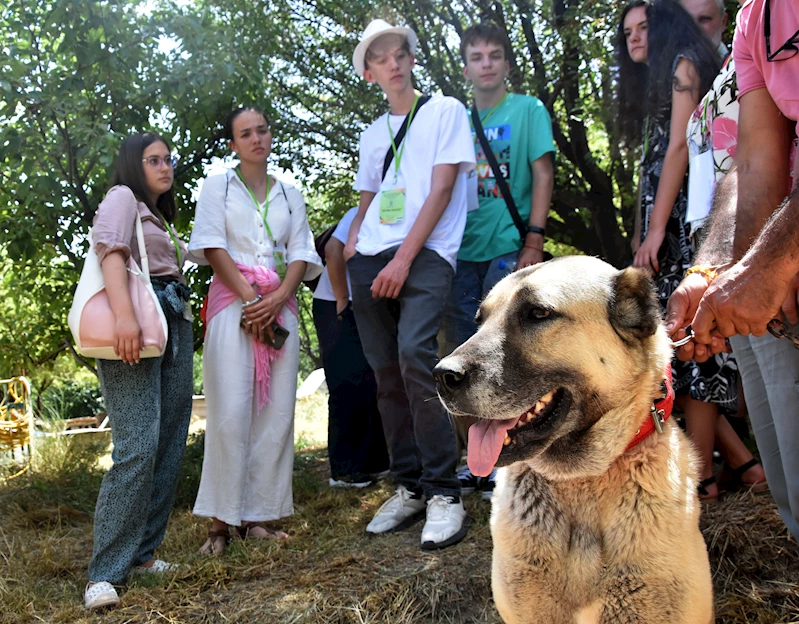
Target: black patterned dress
x=715, y=381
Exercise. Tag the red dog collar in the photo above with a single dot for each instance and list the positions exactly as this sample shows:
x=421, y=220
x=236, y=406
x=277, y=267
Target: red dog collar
x=659, y=412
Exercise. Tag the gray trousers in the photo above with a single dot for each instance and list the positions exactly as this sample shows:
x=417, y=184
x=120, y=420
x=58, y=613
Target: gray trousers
x=399, y=341
x=149, y=409
x=770, y=372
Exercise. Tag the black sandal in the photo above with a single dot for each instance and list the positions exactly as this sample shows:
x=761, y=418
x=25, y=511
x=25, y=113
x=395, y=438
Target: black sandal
x=704, y=495
x=733, y=478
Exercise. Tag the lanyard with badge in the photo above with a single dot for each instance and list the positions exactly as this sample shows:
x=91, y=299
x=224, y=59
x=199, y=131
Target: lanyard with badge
x=174, y=241
x=186, y=304
x=263, y=210
x=392, y=201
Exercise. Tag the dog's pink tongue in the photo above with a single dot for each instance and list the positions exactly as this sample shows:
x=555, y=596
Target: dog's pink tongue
x=485, y=444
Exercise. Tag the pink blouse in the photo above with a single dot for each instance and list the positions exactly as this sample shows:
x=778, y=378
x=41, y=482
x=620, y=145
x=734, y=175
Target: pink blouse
x=114, y=229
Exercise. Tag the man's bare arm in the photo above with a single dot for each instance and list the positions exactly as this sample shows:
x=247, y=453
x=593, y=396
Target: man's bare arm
x=748, y=294
x=762, y=161
x=716, y=250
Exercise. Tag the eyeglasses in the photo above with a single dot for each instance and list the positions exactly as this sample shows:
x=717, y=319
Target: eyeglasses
x=155, y=161
x=787, y=50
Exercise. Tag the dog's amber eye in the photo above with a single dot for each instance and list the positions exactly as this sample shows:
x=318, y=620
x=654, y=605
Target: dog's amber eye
x=536, y=313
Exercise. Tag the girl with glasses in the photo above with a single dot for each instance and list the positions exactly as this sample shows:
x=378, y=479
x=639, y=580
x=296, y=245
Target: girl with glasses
x=148, y=401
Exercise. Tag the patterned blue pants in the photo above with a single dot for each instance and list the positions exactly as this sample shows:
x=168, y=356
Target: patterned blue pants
x=149, y=408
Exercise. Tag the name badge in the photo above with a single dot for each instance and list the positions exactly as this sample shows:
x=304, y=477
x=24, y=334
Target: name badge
x=392, y=206
x=280, y=264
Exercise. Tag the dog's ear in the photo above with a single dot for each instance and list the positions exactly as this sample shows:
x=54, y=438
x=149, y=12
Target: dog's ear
x=633, y=308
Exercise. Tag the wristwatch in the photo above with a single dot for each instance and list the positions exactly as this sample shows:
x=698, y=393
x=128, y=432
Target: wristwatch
x=535, y=229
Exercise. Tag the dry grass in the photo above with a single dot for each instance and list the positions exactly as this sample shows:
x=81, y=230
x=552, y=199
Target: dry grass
x=330, y=571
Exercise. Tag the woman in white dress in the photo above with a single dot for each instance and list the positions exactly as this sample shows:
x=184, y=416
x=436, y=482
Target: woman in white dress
x=253, y=231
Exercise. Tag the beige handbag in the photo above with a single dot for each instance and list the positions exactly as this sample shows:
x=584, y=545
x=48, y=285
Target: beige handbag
x=91, y=320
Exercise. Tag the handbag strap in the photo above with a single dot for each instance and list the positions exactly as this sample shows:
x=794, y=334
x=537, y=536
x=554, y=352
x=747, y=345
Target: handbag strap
x=144, y=262
x=401, y=135
x=498, y=177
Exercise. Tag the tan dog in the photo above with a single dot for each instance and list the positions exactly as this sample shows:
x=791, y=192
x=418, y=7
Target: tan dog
x=563, y=372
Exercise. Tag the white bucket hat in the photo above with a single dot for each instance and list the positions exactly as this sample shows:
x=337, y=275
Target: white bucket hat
x=378, y=28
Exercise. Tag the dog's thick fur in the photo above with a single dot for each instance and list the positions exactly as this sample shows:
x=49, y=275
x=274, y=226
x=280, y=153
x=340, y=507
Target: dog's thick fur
x=584, y=531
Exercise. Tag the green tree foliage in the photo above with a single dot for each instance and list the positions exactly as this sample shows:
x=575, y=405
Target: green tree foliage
x=563, y=55
x=76, y=77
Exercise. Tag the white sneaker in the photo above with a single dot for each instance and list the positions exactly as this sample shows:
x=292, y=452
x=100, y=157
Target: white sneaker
x=99, y=595
x=446, y=523
x=398, y=512
x=158, y=567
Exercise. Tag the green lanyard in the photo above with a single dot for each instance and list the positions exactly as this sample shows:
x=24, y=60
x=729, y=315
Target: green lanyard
x=263, y=209
x=494, y=110
x=398, y=155
x=174, y=241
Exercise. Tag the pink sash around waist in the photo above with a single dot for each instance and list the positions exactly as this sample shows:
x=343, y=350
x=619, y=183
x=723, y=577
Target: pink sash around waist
x=220, y=296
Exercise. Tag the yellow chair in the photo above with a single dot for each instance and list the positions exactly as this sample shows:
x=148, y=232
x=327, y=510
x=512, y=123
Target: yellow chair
x=16, y=421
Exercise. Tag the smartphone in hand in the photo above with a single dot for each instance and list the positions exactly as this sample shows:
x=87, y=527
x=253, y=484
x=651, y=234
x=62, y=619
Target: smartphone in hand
x=281, y=333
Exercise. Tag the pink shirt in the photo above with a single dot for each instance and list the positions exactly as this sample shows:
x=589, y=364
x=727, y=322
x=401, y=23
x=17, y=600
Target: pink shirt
x=114, y=229
x=781, y=78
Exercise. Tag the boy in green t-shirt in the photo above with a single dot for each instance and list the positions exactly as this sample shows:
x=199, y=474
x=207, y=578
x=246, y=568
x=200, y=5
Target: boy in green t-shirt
x=519, y=131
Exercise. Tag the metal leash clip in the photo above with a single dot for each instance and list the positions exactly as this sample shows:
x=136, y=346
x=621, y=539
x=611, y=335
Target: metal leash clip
x=689, y=336
x=779, y=329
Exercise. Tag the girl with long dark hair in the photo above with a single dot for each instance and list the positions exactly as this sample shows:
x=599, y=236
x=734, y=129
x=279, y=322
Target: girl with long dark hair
x=253, y=231
x=148, y=401
x=664, y=56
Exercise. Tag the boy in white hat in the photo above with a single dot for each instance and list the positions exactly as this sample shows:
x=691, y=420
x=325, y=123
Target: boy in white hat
x=401, y=251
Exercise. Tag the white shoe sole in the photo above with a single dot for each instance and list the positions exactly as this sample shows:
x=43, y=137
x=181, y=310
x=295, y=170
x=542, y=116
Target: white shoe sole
x=109, y=598
x=457, y=537
x=409, y=521
x=335, y=483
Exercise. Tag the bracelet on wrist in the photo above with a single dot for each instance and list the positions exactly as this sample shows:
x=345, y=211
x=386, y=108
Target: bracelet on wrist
x=247, y=304
x=534, y=229
x=706, y=272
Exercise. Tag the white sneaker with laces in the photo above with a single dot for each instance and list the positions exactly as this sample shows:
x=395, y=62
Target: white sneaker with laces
x=99, y=595
x=447, y=522
x=159, y=567
x=398, y=512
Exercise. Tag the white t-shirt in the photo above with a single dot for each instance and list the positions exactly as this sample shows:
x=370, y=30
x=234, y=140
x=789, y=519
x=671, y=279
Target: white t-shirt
x=439, y=134
x=324, y=290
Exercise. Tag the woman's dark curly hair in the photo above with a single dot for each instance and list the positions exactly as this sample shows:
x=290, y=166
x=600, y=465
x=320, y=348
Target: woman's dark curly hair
x=645, y=90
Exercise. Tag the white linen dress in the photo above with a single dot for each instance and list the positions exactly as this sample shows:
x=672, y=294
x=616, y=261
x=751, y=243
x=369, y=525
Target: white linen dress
x=249, y=454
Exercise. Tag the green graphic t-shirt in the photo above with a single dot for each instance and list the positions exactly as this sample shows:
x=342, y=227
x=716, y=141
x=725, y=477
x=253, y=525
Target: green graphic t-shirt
x=519, y=132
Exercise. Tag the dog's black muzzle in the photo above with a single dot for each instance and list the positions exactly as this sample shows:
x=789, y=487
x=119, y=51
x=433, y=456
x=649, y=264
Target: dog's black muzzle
x=452, y=376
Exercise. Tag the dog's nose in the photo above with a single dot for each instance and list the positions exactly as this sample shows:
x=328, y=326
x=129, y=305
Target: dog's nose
x=450, y=374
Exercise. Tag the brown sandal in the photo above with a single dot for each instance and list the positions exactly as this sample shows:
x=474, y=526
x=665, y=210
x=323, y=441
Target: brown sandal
x=210, y=547
x=246, y=527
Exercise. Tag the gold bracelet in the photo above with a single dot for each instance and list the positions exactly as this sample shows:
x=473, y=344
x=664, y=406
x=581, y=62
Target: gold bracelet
x=708, y=273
